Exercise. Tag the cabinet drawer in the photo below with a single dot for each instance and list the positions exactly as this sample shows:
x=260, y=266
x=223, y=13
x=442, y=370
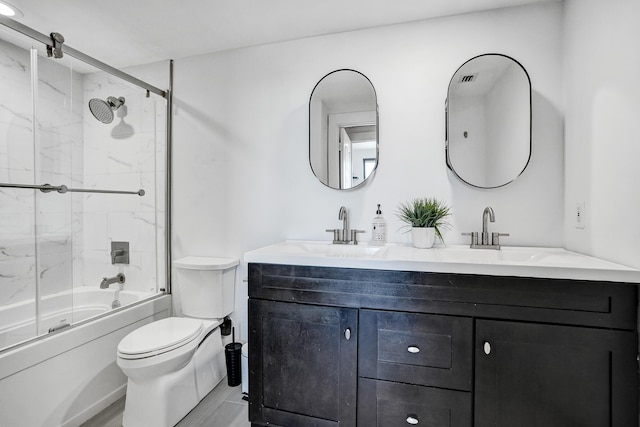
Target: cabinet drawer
x=388, y=404
x=420, y=349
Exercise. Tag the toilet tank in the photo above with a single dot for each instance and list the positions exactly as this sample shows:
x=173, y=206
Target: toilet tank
x=206, y=286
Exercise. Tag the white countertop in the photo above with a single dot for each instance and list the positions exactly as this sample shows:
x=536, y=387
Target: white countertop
x=555, y=263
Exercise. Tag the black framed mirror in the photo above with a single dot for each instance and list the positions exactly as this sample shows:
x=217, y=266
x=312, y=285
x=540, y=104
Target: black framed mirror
x=488, y=115
x=343, y=129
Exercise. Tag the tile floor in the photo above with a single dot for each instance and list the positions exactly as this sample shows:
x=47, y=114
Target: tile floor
x=223, y=407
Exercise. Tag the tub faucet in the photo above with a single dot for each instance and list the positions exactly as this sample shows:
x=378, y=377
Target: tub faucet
x=119, y=278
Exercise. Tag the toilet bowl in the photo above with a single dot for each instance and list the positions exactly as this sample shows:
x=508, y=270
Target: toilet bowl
x=173, y=363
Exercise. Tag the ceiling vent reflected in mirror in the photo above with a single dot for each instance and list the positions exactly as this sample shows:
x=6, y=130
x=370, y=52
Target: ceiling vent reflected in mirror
x=468, y=78
x=488, y=115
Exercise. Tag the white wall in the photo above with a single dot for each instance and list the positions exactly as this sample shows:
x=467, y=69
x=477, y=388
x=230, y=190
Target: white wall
x=602, y=136
x=241, y=171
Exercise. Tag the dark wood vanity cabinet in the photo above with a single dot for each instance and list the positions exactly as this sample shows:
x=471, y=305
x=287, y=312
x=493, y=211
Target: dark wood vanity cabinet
x=306, y=368
x=353, y=347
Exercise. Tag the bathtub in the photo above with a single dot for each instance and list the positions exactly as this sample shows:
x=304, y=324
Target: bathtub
x=70, y=374
x=17, y=321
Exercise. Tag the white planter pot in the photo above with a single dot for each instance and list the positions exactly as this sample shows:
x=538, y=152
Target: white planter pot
x=423, y=237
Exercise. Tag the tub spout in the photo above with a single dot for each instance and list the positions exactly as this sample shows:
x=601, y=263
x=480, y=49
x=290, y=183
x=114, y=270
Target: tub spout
x=119, y=278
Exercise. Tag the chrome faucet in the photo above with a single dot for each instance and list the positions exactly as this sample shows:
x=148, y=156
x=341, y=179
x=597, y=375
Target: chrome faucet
x=344, y=216
x=487, y=214
x=344, y=236
x=119, y=278
x=484, y=242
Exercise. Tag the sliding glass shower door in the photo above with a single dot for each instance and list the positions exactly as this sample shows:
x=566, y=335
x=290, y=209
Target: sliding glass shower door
x=107, y=173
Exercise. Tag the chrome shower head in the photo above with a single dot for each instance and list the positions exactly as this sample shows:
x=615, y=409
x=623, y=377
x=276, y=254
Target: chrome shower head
x=103, y=110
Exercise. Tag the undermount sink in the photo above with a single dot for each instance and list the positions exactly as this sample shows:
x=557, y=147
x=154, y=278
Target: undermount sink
x=327, y=249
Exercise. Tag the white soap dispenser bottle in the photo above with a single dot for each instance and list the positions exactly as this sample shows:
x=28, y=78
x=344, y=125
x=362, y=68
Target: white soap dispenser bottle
x=378, y=229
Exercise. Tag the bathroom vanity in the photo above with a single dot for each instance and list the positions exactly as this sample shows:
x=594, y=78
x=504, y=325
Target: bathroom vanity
x=422, y=339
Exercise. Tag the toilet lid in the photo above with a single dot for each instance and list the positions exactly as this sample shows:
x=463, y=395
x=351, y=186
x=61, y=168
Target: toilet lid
x=160, y=336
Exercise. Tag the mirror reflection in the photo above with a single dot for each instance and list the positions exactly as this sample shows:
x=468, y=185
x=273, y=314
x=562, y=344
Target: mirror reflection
x=489, y=121
x=343, y=129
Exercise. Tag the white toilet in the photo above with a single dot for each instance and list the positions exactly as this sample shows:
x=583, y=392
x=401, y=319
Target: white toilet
x=175, y=362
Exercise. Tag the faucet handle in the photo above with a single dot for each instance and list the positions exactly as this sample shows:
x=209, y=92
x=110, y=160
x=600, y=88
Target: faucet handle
x=336, y=234
x=495, y=238
x=354, y=236
x=474, y=238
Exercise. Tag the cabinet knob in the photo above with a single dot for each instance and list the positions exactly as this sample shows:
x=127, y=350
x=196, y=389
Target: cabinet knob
x=347, y=334
x=412, y=419
x=413, y=349
x=487, y=347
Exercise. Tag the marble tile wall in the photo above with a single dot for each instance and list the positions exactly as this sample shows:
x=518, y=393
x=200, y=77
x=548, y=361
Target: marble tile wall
x=127, y=154
x=64, y=240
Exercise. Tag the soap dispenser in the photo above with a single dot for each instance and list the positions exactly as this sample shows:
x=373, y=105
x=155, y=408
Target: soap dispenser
x=378, y=229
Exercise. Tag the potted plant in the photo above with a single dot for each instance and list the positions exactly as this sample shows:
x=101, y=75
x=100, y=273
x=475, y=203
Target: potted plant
x=427, y=217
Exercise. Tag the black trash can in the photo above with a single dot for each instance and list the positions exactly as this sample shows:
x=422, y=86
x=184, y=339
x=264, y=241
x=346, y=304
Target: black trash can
x=233, y=356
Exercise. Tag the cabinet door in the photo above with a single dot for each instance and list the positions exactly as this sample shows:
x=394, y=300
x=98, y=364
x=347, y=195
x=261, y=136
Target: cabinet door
x=532, y=375
x=302, y=364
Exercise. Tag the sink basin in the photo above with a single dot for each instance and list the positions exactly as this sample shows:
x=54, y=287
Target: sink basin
x=327, y=249
x=504, y=255
x=508, y=261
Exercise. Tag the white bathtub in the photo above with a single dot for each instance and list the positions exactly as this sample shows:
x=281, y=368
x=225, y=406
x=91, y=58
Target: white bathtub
x=69, y=375
x=17, y=321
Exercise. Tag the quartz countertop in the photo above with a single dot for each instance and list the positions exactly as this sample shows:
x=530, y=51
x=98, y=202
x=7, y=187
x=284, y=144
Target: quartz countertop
x=553, y=263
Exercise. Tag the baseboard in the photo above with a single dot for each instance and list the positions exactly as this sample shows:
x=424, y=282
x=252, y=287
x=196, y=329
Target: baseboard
x=96, y=408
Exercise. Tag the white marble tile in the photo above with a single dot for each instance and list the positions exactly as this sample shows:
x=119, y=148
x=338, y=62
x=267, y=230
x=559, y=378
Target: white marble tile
x=74, y=149
x=17, y=279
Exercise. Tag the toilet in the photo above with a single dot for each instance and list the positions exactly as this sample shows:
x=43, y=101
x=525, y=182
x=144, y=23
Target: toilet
x=173, y=363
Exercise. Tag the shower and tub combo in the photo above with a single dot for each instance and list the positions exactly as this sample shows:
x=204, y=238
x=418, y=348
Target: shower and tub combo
x=70, y=187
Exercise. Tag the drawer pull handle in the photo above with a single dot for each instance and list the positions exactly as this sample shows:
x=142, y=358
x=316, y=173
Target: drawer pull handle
x=413, y=349
x=412, y=419
x=347, y=334
x=487, y=347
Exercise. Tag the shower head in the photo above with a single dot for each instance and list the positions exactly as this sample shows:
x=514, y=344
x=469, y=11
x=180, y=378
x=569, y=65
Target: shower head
x=103, y=110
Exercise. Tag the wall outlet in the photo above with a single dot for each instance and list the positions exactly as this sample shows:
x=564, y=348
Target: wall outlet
x=580, y=215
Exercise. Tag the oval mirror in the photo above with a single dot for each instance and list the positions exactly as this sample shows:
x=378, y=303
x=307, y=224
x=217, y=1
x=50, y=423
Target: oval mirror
x=489, y=121
x=343, y=129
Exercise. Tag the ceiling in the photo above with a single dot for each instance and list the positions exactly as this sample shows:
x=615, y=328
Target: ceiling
x=133, y=32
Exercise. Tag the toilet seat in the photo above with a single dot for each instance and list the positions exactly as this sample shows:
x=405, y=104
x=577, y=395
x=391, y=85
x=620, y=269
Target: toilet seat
x=160, y=337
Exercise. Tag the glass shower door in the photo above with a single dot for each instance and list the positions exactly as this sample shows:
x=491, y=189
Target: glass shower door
x=57, y=97
x=110, y=187
x=17, y=206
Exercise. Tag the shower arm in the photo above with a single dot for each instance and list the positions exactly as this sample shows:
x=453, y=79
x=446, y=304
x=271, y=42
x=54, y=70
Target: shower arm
x=47, y=188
